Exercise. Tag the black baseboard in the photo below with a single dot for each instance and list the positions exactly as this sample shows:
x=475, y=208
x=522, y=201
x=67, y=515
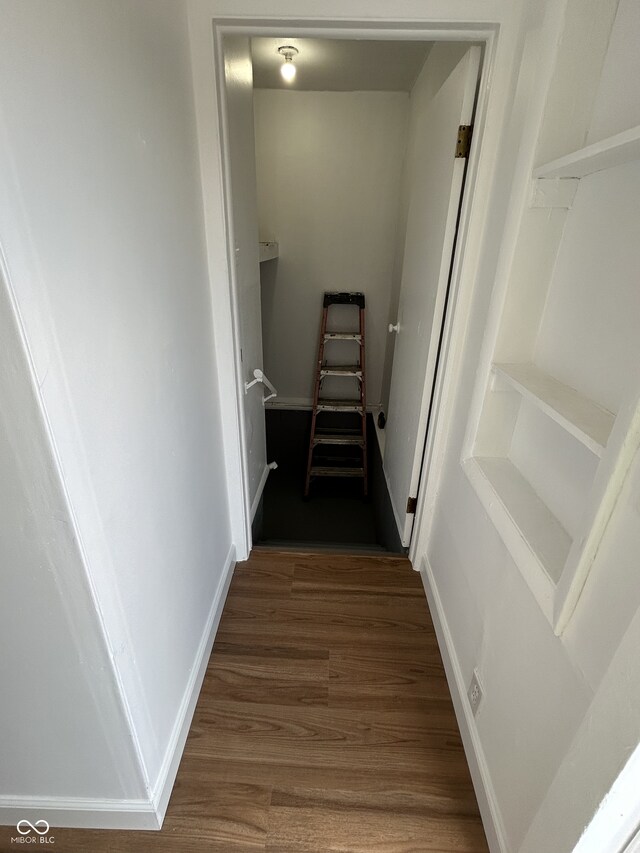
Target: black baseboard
x=386, y=527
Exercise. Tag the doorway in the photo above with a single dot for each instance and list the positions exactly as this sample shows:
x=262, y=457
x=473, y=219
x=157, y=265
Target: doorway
x=314, y=240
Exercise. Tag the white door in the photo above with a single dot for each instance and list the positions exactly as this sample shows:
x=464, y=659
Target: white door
x=243, y=214
x=431, y=227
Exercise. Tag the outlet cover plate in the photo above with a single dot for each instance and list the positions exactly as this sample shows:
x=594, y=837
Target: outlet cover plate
x=475, y=692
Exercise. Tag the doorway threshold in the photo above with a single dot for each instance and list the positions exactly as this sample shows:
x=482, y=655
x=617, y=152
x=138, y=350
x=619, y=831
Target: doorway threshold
x=328, y=548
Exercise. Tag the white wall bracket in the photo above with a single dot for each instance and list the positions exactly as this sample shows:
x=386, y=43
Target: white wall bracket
x=260, y=377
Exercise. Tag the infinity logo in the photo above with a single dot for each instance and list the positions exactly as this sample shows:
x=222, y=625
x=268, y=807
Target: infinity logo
x=32, y=827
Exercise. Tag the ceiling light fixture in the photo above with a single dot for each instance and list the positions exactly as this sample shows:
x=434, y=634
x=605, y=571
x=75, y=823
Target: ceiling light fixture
x=288, y=69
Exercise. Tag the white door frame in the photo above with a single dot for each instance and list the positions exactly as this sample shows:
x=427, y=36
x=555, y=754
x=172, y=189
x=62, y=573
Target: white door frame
x=207, y=58
x=456, y=187
x=456, y=313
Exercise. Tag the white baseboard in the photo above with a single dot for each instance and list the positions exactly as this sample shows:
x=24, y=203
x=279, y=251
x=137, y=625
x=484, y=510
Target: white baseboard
x=487, y=802
x=79, y=813
x=132, y=814
x=169, y=769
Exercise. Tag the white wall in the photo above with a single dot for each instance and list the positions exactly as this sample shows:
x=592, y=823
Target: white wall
x=102, y=228
x=63, y=728
x=617, y=105
x=603, y=639
x=329, y=167
x=561, y=715
x=589, y=331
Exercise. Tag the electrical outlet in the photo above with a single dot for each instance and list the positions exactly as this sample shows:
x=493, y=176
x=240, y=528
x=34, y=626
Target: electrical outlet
x=475, y=692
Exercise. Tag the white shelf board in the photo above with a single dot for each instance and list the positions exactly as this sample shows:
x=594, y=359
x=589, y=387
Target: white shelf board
x=535, y=538
x=585, y=420
x=268, y=251
x=613, y=151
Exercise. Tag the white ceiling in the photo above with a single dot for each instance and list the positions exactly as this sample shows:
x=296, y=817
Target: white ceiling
x=336, y=65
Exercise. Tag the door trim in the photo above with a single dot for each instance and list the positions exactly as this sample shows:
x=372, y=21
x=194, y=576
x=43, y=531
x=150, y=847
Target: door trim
x=477, y=181
x=208, y=77
x=458, y=190
x=243, y=513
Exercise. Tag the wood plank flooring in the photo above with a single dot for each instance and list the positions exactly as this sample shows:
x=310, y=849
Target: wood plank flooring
x=324, y=723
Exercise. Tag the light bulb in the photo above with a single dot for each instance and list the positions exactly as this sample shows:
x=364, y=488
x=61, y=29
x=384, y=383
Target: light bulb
x=288, y=70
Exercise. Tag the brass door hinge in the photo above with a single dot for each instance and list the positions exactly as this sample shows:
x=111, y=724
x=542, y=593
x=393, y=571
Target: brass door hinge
x=412, y=503
x=463, y=143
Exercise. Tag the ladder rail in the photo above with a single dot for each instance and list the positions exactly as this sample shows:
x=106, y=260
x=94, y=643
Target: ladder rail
x=316, y=395
x=356, y=406
x=363, y=400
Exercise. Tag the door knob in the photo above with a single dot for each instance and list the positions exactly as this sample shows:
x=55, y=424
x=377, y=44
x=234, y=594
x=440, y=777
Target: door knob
x=393, y=328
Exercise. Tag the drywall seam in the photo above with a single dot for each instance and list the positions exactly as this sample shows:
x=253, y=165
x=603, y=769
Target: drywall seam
x=480, y=776
x=59, y=475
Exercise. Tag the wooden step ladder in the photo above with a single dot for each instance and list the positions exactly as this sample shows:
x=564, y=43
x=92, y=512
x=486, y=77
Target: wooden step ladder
x=325, y=436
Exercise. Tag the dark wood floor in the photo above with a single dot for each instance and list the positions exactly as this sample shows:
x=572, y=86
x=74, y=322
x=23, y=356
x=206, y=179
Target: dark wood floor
x=324, y=724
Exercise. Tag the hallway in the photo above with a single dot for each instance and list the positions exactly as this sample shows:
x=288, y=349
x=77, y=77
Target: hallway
x=324, y=722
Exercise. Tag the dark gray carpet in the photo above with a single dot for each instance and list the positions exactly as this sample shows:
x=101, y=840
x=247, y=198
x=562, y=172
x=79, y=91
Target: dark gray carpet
x=336, y=512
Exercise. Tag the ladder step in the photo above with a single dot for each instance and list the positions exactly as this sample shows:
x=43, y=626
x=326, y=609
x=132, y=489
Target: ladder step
x=339, y=450
x=338, y=430
x=326, y=471
x=352, y=440
x=324, y=461
x=342, y=336
x=341, y=370
x=339, y=406
x=341, y=298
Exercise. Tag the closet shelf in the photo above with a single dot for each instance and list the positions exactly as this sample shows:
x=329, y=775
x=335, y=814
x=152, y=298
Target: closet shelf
x=531, y=532
x=268, y=251
x=612, y=151
x=582, y=418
